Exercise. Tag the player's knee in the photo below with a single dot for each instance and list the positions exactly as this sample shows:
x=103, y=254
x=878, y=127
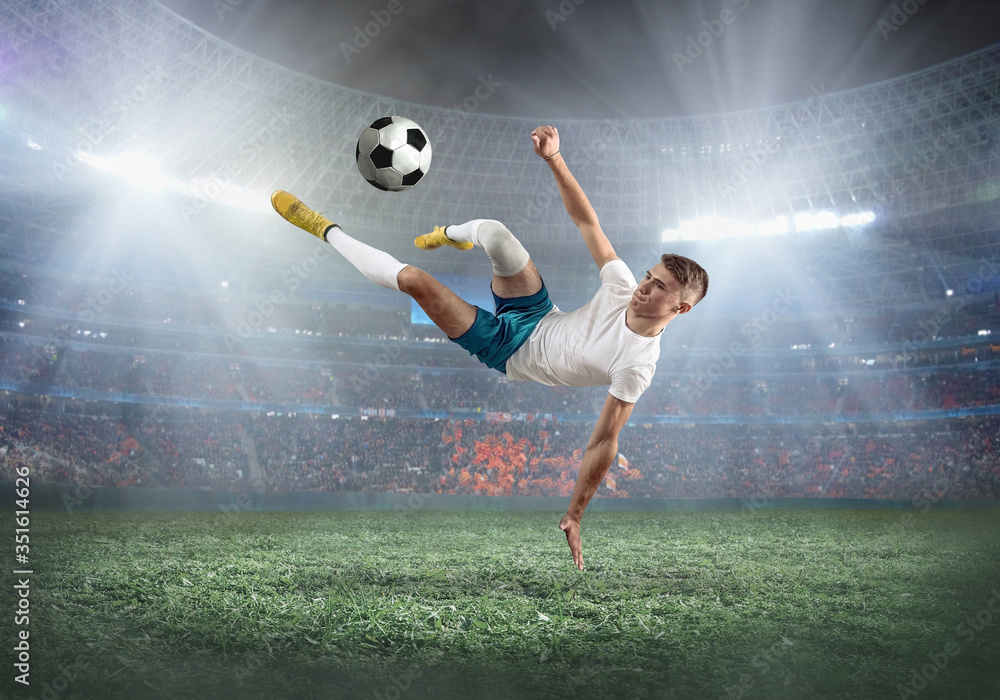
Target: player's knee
x=412, y=280
x=492, y=227
x=491, y=232
x=506, y=252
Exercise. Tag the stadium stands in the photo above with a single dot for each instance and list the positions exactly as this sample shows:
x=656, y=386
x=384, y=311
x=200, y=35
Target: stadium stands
x=850, y=361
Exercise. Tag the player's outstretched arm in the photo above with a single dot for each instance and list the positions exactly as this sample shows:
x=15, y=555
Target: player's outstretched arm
x=546, y=142
x=601, y=452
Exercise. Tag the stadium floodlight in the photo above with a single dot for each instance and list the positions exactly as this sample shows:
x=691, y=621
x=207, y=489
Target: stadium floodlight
x=858, y=219
x=138, y=168
x=805, y=221
x=143, y=171
x=226, y=193
x=826, y=220
x=712, y=228
x=708, y=228
x=774, y=226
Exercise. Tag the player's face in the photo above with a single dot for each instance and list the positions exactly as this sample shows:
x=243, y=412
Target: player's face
x=658, y=293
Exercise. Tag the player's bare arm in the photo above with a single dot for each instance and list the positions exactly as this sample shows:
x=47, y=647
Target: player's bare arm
x=546, y=142
x=601, y=452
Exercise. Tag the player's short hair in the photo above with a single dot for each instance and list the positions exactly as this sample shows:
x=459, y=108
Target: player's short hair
x=688, y=273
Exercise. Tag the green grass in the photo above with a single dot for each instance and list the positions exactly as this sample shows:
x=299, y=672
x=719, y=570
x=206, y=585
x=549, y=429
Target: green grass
x=751, y=604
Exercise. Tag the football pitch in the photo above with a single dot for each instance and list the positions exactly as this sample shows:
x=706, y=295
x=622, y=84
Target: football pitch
x=423, y=604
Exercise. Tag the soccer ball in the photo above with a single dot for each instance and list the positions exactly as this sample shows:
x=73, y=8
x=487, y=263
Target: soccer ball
x=393, y=153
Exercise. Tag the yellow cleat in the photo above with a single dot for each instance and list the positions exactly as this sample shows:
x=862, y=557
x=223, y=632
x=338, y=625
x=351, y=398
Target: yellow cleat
x=295, y=212
x=437, y=238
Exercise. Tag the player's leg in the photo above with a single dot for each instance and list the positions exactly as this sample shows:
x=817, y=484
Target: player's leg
x=447, y=310
x=514, y=274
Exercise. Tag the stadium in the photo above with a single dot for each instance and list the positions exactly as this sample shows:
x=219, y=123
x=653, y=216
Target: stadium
x=248, y=472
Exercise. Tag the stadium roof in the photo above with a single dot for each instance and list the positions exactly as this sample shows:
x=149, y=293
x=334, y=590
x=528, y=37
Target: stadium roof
x=597, y=59
x=132, y=87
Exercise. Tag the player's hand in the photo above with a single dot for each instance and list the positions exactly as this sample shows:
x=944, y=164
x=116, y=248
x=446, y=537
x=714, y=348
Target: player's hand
x=546, y=140
x=572, y=529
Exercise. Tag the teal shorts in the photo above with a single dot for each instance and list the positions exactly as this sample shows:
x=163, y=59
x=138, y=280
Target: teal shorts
x=493, y=338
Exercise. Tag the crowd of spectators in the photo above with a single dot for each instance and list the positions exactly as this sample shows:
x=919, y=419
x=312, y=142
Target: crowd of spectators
x=345, y=386
x=239, y=451
x=380, y=404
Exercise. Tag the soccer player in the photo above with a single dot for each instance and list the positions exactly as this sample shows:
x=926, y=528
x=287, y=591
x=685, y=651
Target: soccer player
x=613, y=340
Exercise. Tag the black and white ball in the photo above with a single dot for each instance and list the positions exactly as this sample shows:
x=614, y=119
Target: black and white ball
x=393, y=153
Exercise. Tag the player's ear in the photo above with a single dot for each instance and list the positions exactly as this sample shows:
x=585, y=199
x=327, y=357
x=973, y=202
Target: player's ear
x=682, y=308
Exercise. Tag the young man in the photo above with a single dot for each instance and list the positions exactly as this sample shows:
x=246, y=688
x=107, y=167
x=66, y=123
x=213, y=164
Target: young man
x=613, y=340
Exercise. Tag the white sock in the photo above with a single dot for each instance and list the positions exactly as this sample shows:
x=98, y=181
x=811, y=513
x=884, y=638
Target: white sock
x=506, y=252
x=464, y=232
x=378, y=266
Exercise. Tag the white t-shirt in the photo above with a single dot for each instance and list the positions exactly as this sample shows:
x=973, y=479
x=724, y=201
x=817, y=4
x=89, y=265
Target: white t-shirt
x=592, y=345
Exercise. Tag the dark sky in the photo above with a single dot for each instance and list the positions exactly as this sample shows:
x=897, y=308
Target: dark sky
x=601, y=58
